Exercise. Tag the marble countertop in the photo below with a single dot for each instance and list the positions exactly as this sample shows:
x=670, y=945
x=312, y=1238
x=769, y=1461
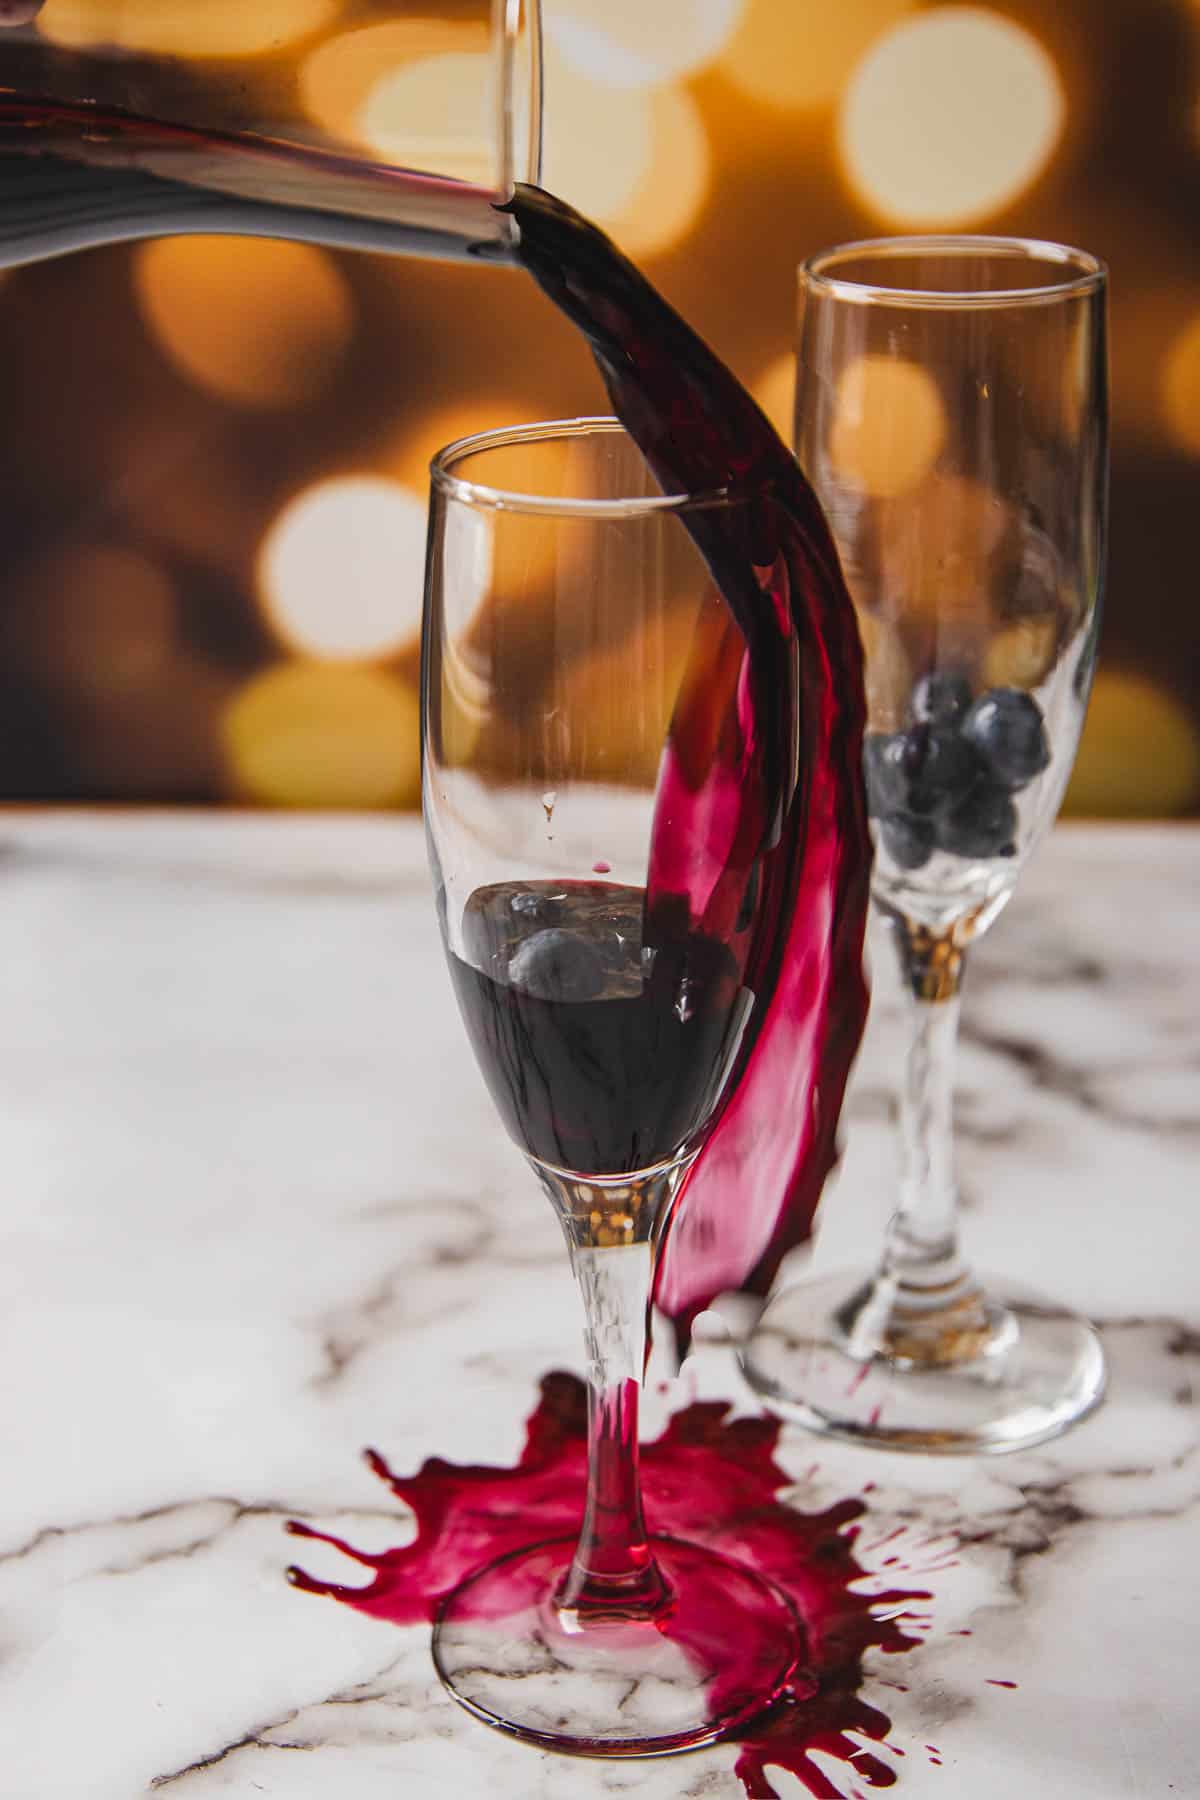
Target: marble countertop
x=258, y=1213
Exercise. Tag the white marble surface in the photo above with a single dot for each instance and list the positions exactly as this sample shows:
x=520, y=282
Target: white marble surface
x=258, y=1213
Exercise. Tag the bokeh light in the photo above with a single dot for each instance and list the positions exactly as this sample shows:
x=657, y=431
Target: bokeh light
x=257, y=322
x=341, y=569
x=435, y=113
x=637, y=43
x=323, y=735
x=578, y=116
x=336, y=78
x=1181, y=388
x=1023, y=654
x=674, y=187
x=186, y=27
x=936, y=543
x=797, y=53
x=100, y=617
x=889, y=426
x=408, y=458
x=775, y=391
x=949, y=117
x=1140, y=752
x=148, y=481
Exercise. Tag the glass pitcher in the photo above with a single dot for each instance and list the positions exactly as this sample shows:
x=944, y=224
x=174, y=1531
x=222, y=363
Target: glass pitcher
x=398, y=129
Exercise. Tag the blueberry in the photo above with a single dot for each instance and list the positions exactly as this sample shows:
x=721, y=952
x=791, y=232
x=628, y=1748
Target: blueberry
x=1006, y=726
x=534, y=908
x=982, y=824
x=883, y=764
x=940, y=768
x=941, y=697
x=907, y=840
x=557, y=965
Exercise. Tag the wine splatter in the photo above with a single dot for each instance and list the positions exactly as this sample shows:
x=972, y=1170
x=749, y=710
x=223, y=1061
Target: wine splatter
x=764, y=829
x=709, y=1477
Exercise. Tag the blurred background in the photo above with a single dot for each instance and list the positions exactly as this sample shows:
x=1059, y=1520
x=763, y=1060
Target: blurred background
x=213, y=451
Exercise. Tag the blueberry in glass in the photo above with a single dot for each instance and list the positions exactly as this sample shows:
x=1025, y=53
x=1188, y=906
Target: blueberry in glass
x=975, y=549
x=1007, y=728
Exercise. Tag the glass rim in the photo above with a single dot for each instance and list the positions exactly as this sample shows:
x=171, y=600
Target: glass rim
x=503, y=499
x=1089, y=275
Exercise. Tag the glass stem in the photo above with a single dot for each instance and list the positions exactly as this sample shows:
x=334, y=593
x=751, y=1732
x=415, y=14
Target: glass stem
x=924, y=1307
x=612, y=1230
x=921, y=1250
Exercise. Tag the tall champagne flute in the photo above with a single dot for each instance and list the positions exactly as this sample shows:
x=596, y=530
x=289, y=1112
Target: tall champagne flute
x=951, y=412
x=563, y=595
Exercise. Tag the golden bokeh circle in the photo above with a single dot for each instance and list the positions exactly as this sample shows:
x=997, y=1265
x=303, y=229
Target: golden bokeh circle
x=675, y=185
x=598, y=148
x=336, y=77
x=775, y=391
x=1181, y=388
x=797, y=54
x=889, y=425
x=218, y=28
x=435, y=114
x=341, y=569
x=949, y=117
x=1139, y=756
x=633, y=44
x=97, y=619
x=323, y=735
x=257, y=322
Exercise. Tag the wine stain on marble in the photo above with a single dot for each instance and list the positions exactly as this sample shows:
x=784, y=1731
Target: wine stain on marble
x=711, y=1478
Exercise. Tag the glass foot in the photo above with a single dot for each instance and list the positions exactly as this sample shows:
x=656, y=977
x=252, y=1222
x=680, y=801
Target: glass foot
x=842, y=1357
x=719, y=1650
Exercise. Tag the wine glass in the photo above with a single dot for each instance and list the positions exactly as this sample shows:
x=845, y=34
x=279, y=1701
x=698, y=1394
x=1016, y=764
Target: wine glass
x=951, y=412
x=564, y=599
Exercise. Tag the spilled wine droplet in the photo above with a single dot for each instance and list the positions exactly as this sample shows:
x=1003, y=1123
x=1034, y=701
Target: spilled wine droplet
x=710, y=1478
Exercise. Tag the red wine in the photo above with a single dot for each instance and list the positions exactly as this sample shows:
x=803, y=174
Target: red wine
x=603, y=1054
x=75, y=175
x=775, y=821
x=711, y=1479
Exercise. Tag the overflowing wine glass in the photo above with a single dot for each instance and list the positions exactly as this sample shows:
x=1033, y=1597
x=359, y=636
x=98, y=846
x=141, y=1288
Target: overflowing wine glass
x=951, y=412
x=565, y=596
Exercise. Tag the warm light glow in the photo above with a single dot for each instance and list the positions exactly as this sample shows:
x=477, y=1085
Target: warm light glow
x=337, y=77
x=637, y=162
x=409, y=457
x=620, y=700
x=887, y=671
x=96, y=619
x=1023, y=654
x=435, y=114
x=936, y=544
x=775, y=391
x=186, y=27
x=341, y=569
x=673, y=189
x=1140, y=752
x=950, y=117
x=257, y=322
x=598, y=148
x=889, y=426
x=637, y=43
x=798, y=53
x=1181, y=388
x=323, y=735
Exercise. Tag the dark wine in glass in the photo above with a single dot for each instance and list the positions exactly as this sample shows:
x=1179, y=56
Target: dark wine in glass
x=608, y=1022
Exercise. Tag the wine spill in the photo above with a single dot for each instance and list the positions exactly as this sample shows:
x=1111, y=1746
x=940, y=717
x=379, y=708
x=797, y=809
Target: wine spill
x=710, y=1478
x=777, y=817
